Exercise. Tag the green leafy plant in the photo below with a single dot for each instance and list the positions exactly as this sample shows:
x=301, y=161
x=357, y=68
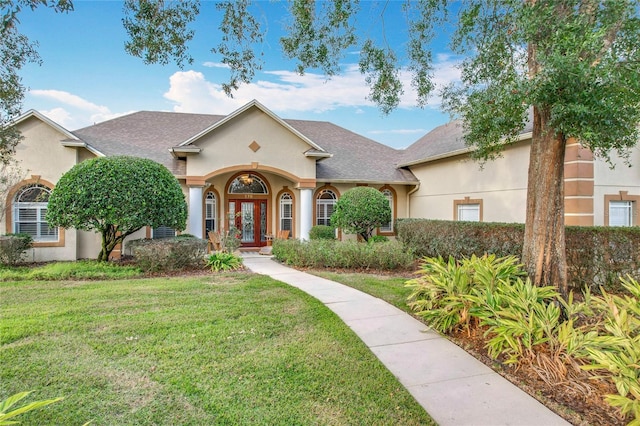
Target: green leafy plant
x=615, y=351
x=116, y=196
x=223, y=261
x=322, y=232
x=445, y=294
x=13, y=247
x=168, y=254
x=5, y=405
x=361, y=210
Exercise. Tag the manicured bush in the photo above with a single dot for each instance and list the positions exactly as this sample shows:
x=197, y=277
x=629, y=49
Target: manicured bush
x=343, y=254
x=596, y=256
x=116, y=196
x=168, y=254
x=360, y=211
x=322, y=232
x=378, y=239
x=13, y=248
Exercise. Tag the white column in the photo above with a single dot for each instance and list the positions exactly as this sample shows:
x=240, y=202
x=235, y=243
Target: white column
x=306, y=212
x=194, y=221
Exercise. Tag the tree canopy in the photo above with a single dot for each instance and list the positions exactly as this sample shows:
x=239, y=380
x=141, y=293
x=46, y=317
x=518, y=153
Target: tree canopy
x=117, y=196
x=360, y=211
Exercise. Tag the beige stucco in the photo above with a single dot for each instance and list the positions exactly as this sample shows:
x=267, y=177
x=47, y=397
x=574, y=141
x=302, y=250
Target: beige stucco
x=609, y=181
x=43, y=159
x=501, y=185
x=229, y=146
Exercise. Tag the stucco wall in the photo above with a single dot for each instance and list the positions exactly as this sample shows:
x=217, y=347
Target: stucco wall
x=501, y=185
x=609, y=181
x=229, y=145
x=44, y=159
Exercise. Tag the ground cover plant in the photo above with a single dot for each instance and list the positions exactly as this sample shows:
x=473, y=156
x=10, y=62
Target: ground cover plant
x=229, y=348
x=581, y=398
x=80, y=270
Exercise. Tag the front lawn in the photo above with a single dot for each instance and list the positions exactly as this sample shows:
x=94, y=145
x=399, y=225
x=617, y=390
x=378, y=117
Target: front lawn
x=222, y=349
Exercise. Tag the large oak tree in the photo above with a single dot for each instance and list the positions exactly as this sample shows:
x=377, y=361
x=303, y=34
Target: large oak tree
x=572, y=65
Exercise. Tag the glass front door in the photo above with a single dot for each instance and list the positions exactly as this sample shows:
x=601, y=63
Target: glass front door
x=250, y=218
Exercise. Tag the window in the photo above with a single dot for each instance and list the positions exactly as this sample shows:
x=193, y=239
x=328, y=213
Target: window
x=388, y=228
x=163, y=232
x=325, y=203
x=29, y=211
x=286, y=212
x=248, y=183
x=211, y=212
x=621, y=209
x=469, y=212
x=620, y=213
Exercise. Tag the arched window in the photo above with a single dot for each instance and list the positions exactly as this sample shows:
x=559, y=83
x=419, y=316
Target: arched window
x=248, y=183
x=325, y=204
x=211, y=212
x=286, y=212
x=29, y=211
x=388, y=228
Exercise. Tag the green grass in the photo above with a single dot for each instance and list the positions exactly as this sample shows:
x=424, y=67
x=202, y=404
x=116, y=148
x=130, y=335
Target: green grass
x=391, y=289
x=88, y=269
x=225, y=349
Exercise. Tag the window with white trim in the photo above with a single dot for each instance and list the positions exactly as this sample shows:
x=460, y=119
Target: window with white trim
x=620, y=213
x=286, y=212
x=388, y=228
x=29, y=212
x=325, y=204
x=210, y=212
x=469, y=212
x=163, y=232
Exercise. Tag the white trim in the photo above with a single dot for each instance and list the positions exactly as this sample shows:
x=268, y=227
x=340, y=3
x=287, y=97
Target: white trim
x=241, y=110
x=43, y=118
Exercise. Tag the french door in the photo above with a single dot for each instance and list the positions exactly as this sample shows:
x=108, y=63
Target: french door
x=250, y=218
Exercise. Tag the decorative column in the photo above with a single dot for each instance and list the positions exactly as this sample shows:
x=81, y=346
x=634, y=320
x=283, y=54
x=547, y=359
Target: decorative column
x=306, y=212
x=194, y=221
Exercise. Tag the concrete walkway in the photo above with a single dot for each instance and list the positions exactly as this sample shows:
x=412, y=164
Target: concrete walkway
x=451, y=385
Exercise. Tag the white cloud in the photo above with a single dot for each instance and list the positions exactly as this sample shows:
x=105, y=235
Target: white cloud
x=76, y=112
x=215, y=65
x=70, y=99
x=287, y=91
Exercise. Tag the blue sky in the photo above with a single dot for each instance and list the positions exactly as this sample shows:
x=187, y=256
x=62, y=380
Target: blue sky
x=86, y=76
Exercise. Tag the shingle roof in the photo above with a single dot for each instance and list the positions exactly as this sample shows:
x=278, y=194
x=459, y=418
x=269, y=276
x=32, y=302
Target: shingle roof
x=147, y=134
x=444, y=140
x=355, y=157
x=151, y=134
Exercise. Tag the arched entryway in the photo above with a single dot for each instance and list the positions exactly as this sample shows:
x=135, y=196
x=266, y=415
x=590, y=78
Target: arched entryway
x=248, y=208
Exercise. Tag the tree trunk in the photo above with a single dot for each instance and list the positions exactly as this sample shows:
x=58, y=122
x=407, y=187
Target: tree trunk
x=110, y=239
x=544, y=245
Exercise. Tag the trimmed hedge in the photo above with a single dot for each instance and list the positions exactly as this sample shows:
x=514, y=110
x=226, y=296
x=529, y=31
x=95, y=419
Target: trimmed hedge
x=595, y=255
x=168, y=254
x=343, y=254
x=13, y=248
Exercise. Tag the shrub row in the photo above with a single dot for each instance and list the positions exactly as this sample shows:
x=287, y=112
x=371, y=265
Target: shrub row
x=596, y=256
x=562, y=340
x=388, y=255
x=168, y=254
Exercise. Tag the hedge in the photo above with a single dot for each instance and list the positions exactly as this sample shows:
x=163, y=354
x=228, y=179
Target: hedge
x=595, y=255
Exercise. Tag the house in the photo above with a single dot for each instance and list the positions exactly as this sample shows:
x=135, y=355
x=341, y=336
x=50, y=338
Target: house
x=262, y=174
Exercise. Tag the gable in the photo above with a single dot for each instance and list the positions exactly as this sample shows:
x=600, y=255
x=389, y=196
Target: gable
x=40, y=151
x=250, y=137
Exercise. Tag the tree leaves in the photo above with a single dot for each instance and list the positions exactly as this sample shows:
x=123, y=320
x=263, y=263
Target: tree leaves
x=158, y=30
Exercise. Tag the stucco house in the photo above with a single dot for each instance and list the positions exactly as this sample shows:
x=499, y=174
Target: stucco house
x=261, y=173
